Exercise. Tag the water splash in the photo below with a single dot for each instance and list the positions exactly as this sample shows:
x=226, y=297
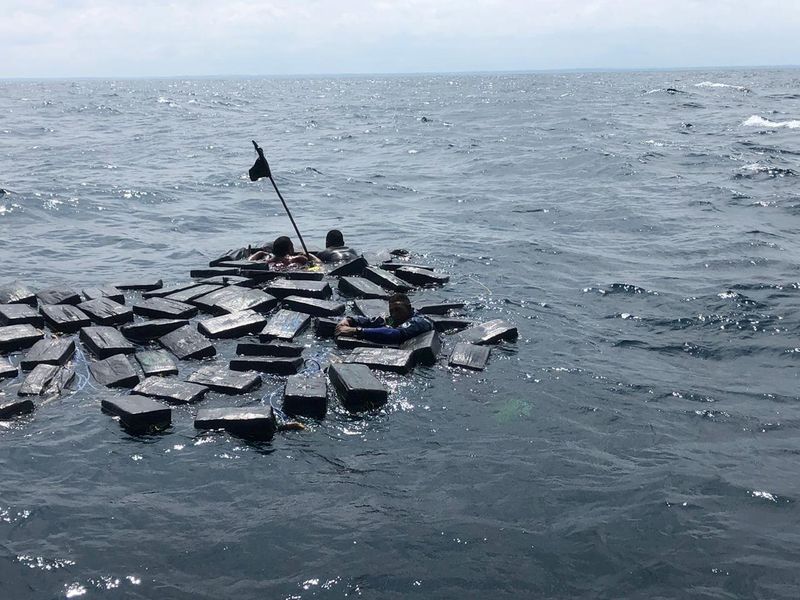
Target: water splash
x=758, y=121
x=711, y=84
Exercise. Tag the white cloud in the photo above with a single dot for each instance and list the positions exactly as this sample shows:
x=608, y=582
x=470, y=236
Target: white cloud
x=123, y=37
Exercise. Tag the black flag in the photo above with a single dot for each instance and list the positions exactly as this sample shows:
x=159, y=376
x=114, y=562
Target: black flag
x=261, y=167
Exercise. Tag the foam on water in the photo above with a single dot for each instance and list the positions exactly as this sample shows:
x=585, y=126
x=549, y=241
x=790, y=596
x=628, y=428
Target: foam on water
x=759, y=121
x=711, y=84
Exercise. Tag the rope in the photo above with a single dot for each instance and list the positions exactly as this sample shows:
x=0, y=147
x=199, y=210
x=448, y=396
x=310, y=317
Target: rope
x=475, y=279
x=315, y=361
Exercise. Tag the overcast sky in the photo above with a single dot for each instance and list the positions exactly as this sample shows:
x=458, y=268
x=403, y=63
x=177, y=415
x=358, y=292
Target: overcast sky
x=122, y=38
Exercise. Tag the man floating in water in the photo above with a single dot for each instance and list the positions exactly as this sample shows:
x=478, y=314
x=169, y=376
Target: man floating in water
x=283, y=255
x=335, y=250
x=403, y=324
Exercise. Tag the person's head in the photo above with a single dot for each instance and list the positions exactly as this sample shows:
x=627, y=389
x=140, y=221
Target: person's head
x=334, y=239
x=282, y=247
x=400, y=308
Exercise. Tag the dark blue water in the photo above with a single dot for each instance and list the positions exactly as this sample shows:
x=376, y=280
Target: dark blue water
x=640, y=440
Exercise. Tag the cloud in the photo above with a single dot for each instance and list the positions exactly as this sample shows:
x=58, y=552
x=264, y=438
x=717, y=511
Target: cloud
x=123, y=37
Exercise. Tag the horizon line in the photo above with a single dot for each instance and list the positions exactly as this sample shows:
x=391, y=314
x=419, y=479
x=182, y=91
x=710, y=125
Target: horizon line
x=403, y=73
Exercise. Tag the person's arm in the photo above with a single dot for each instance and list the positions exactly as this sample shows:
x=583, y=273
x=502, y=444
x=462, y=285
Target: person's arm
x=260, y=255
x=343, y=330
x=349, y=325
x=379, y=335
x=344, y=327
x=303, y=259
x=396, y=335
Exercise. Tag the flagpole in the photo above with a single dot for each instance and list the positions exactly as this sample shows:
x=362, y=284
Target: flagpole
x=255, y=174
x=288, y=212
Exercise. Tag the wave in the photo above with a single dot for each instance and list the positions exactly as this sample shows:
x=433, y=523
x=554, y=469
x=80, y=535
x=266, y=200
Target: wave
x=789, y=96
x=740, y=299
x=764, y=286
x=757, y=121
x=711, y=84
x=770, y=150
x=755, y=169
x=711, y=352
x=665, y=90
x=620, y=288
x=6, y=209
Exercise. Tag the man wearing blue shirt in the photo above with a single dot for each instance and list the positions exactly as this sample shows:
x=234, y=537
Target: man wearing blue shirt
x=403, y=324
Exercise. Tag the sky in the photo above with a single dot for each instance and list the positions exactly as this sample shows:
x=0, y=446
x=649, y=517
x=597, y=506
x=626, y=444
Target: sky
x=123, y=38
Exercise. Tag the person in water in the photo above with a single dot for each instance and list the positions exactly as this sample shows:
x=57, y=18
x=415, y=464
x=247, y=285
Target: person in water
x=403, y=324
x=335, y=250
x=283, y=254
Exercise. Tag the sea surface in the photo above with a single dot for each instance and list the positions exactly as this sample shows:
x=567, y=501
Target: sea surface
x=641, y=438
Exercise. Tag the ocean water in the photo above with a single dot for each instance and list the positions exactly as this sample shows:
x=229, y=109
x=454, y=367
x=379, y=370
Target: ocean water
x=639, y=440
